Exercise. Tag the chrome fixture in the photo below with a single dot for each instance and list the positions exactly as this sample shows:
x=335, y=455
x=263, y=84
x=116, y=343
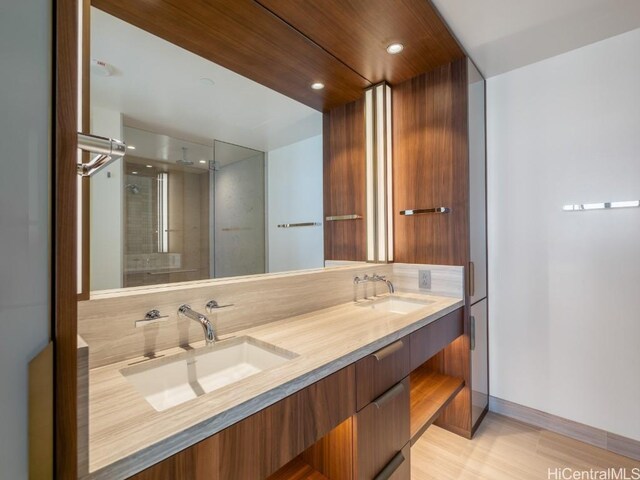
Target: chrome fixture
x=132, y=188
x=601, y=206
x=151, y=317
x=184, y=160
x=210, y=334
x=304, y=224
x=214, y=305
x=106, y=150
x=381, y=278
x=337, y=218
x=375, y=278
x=422, y=211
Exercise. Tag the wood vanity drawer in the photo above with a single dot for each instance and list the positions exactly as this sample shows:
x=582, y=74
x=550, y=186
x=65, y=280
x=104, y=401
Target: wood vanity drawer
x=378, y=372
x=432, y=338
x=382, y=430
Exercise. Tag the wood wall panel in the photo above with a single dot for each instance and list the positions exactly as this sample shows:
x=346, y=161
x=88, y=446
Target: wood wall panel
x=64, y=244
x=344, y=182
x=243, y=36
x=431, y=168
x=358, y=32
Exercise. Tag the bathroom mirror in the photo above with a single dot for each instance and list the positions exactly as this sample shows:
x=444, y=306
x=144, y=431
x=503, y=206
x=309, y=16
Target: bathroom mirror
x=222, y=176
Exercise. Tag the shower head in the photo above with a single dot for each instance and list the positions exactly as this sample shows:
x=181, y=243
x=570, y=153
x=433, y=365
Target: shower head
x=184, y=160
x=133, y=188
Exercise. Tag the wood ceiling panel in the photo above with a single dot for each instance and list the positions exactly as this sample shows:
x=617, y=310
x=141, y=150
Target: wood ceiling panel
x=358, y=31
x=243, y=36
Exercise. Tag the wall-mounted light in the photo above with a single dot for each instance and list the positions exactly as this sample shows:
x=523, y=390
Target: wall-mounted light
x=379, y=177
x=395, y=48
x=131, y=147
x=317, y=85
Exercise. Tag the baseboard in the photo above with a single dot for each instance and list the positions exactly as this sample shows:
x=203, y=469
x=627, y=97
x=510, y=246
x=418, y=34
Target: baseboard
x=578, y=431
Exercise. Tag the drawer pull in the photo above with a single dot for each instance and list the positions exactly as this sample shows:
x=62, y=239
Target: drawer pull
x=387, y=396
x=388, y=350
x=390, y=467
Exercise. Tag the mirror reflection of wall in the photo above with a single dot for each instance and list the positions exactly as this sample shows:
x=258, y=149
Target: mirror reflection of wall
x=217, y=165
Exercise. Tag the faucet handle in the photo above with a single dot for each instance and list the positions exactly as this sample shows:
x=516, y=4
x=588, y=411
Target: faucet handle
x=213, y=305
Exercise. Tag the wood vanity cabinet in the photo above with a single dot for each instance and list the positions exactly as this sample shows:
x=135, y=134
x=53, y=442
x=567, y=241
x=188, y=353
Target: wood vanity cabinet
x=439, y=162
x=259, y=445
x=356, y=424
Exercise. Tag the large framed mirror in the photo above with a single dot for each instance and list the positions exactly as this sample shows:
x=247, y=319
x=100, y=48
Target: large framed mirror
x=222, y=176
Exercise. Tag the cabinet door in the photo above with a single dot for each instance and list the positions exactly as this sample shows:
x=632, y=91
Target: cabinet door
x=477, y=185
x=479, y=360
x=345, y=225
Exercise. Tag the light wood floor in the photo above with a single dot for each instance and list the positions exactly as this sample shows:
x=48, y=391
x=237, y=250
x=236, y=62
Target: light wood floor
x=505, y=449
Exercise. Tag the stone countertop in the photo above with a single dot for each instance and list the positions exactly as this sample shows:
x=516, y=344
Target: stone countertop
x=128, y=435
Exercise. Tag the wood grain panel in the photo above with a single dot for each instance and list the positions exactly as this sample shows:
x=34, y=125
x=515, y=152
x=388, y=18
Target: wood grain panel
x=431, y=167
x=430, y=393
x=345, y=182
x=64, y=297
x=379, y=371
x=243, y=36
x=298, y=469
x=432, y=338
x=332, y=455
x=358, y=32
x=381, y=432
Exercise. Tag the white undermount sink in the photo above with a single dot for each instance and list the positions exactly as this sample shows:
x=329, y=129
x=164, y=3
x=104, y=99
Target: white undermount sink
x=170, y=381
x=396, y=305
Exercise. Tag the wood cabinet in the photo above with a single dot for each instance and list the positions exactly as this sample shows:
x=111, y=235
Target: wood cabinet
x=259, y=445
x=378, y=372
x=382, y=431
x=439, y=161
x=345, y=228
x=358, y=423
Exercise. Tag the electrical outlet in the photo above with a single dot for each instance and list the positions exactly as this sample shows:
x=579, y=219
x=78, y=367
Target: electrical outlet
x=424, y=279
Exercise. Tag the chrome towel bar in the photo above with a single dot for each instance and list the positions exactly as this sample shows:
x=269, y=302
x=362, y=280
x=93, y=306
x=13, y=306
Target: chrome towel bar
x=337, y=218
x=601, y=206
x=106, y=150
x=422, y=211
x=303, y=224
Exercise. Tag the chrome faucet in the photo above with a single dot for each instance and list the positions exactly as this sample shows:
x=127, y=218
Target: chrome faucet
x=382, y=278
x=374, y=278
x=210, y=334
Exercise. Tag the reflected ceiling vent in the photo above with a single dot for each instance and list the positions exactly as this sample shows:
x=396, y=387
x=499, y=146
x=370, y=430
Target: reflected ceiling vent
x=184, y=160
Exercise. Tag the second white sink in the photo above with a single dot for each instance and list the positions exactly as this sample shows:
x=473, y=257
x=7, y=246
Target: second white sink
x=397, y=305
x=171, y=381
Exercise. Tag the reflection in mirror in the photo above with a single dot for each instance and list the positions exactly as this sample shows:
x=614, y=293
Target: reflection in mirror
x=222, y=176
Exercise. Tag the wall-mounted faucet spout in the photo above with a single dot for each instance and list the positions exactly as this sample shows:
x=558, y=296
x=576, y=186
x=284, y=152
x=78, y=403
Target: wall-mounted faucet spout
x=210, y=334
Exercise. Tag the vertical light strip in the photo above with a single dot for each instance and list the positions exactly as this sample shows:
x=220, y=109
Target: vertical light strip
x=369, y=134
x=163, y=213
x=381, y=218
x=79, y=225
x=389, y=164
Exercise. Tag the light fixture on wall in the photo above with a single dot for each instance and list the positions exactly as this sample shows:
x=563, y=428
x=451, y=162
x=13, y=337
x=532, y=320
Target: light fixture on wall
x=317, y=85
x=379, y=176
x=395, y=48
x=131, y=147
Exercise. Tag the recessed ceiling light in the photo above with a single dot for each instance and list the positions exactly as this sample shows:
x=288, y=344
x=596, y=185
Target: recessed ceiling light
x=203, y=161
x=134, y=173
x=317, y=85
x=131, y=147
x=395, y=48
x=149, y=166
x=207, y=81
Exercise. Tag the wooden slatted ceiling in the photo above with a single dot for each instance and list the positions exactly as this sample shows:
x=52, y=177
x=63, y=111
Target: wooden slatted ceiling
x=244, y=37
x=288, y=44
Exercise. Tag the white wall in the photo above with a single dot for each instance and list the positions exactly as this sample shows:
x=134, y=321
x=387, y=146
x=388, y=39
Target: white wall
x=565, y=287
x=294, y=188
x=25, y=122
x=107, y=208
